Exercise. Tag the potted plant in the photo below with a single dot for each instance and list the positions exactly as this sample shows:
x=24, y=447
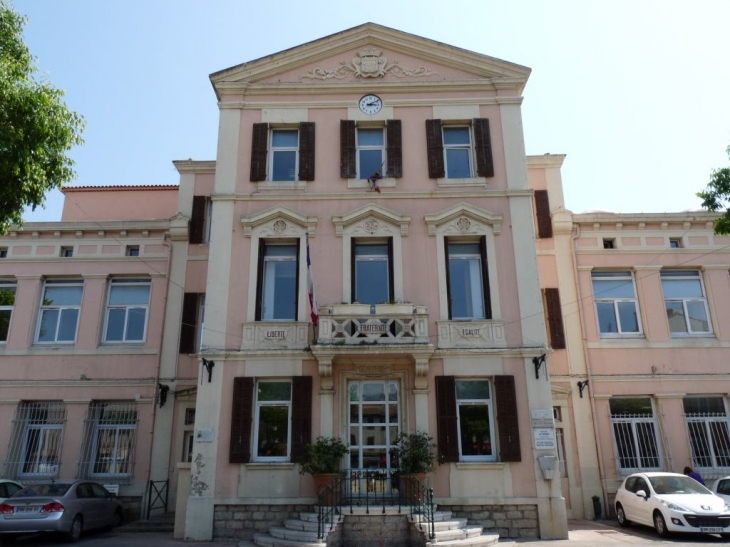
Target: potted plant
x=323, y=460
x=415, y=456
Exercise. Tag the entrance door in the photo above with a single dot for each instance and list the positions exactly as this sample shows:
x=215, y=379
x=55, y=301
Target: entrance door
x=373, y=425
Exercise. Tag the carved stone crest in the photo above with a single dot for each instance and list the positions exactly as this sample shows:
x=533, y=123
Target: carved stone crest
x=279, y=226
x=369, y=63
x=371, y=225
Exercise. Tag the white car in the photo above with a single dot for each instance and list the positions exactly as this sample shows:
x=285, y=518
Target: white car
x=721, y=487
x=8, y=488
x=671, y=502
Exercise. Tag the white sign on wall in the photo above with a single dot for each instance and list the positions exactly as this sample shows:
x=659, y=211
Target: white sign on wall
x=544, y=439
x=542, y=417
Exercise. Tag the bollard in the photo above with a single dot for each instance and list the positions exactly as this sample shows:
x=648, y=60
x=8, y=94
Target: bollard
x=596, y=507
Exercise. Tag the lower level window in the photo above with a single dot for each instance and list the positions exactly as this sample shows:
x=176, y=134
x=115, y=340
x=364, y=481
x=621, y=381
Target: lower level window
x=35, y=446
x=109, y=442
x=272, y=419
x=709, y=434
x=475, y=420
x=635, y=434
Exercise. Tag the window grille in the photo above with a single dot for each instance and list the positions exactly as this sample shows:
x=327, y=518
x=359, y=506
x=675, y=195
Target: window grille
x=109, y=444
x=709, y=435
x=35, y=444
x=635, y=435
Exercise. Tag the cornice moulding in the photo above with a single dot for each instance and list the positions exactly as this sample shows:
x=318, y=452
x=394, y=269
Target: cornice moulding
x=341, y=103
x=194, y=166
x=546, y=161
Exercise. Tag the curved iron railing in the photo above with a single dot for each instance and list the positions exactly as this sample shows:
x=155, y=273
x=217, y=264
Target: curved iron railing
x=376, y=489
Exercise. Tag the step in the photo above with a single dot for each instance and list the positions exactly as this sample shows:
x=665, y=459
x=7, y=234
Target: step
x=452, y=524
x=459, y=533
x=263, y=539
x=485, y=540
x=313, y=517
x=438, y=516
x=295, y=535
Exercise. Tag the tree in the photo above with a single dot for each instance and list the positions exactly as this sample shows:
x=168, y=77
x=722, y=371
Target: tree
x=36, y=128
x=717, y=197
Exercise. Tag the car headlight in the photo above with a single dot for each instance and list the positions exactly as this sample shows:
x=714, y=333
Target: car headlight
x=727, y=508
x=673, y=506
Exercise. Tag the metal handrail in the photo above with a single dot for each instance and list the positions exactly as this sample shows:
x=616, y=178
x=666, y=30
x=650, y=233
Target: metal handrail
x=375, y=488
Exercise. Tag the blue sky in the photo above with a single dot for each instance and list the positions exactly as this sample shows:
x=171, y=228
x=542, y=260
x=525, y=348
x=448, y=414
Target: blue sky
x=636, y=93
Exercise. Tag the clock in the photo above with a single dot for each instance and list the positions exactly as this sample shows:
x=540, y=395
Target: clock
x=370, y=104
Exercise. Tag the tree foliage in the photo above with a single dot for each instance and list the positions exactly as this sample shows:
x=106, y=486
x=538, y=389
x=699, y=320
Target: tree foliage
x=36, y=128
x=717, y=197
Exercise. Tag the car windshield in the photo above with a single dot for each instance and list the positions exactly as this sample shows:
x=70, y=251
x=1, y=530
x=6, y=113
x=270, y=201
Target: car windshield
x=43, y=490
x=677, y=485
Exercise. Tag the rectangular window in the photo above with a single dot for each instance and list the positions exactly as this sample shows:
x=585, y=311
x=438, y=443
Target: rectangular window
x=457, y=151
x=709, y=432
x=191, y=326
x=3, y=252
x=7, y=303
x=278, y=281
x=208, y=220
x=132, y=250
x=685, y=302
x=609, y=243
x=616, y=305
x=370, y=152
x=108, y=446
x=372, y=272
x=67, y=252
x=467, y=280
x=59, y=313
x=35, y=447
x=127, y=310
x=475, y=418
x=675, y=243
x=284, y=154
x=271, y=420
x=201, y=322
x=635, y=434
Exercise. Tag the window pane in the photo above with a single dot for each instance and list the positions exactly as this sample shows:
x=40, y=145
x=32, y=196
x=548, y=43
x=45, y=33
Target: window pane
x=613, y=289
x=705, y=405
x=135, y=324
x=7, y=296
x=697, y=316
x=456, y=135
x=370, y=137
x=284, y=165
x=373, y=435
x=374, y=414
x=47, y=331
x=279, y=290
x=648, y=451
x=67, y=328
x=115, y=324
x=465, y=288
x=371, y=161
x=679, y=288
x=281, y=251
x=393, y=391
x=606, y=317
x=631, y=406
x=285, y=138
x=372, y=250
x=629, y=319
x=371, y=281
x=273, y=431
x=457, y=164
x=472, y=389
x=675, y=315
x=373, y=392
x=354, y=391
x=699, y=444
x=4, y=324
x=62, y=296
x=131, y=294
x=274, y=391
x=474, y=430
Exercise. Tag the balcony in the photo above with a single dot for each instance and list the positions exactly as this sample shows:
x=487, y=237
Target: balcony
x=279, y=335
x=485, y=333
x=362, y=324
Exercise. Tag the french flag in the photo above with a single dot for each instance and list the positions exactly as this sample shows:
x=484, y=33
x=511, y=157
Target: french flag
x=310, y=283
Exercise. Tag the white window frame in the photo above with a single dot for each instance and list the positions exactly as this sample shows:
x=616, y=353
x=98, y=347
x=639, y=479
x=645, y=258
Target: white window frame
x=693, y=275
x=257, y=407
x=269, y=244
x=200, y=322
x=60, y=308
x=598, y=299
x=271, y=156
x=362, y=147
x=709, y=422
x=480, y=261
x=8, y=285
x=28, y=417
x=468, y=147
x=372, y=242
x=489, y=403
x=635, y=422
x=208, y=224
x=97, y=413
x=121, y=282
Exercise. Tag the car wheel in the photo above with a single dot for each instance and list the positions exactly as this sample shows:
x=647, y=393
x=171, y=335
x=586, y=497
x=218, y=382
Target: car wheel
x=660, y=525
x=621, y=516
x=74, y=534
x=117, y=519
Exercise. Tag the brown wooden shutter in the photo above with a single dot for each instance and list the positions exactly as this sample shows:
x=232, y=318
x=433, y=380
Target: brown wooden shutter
x=483, y=147
x=260, y=279
x=391, y=276
x=447, y=430
x=542, y=210
x=306, y=151
x=189, y=322
x=555, y=318
x=241, y=420
x=435, y=144
x=394, y=149
x=258, y=151
x=197, y=220
x=485, y=278
x=348, y=149
x=507, y=423
x=301, y=426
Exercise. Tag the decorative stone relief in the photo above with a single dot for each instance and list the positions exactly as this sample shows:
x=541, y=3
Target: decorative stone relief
x=369, y=63
x=279, y=226
x=463, y=224
x=371, y=225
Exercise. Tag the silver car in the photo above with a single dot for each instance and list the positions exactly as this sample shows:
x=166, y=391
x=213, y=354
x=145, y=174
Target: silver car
x=67, y=508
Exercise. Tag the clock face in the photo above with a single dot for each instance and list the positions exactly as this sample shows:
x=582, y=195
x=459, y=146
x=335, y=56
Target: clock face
x=371, y=104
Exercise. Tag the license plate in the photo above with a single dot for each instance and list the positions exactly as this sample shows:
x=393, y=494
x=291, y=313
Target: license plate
x=711, y=529
x=26, y=509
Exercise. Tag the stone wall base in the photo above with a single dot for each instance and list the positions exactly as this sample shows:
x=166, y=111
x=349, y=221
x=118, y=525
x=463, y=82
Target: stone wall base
x=375, y=530
x=509, y=521
x=243, y=521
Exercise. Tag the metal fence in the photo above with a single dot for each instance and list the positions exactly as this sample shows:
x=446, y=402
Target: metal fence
x=636, y=442
x=709, y=440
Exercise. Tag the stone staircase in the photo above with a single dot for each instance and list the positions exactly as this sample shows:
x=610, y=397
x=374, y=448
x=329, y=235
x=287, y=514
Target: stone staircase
x=302, y=532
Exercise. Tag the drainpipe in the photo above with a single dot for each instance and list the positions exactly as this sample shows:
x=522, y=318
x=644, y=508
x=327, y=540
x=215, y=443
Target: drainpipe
x=597, y=432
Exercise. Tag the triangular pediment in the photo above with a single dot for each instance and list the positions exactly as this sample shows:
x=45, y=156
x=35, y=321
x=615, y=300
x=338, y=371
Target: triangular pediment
x=464, y=214
x=371, y=53
x=372, y=212
x=280, y=219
